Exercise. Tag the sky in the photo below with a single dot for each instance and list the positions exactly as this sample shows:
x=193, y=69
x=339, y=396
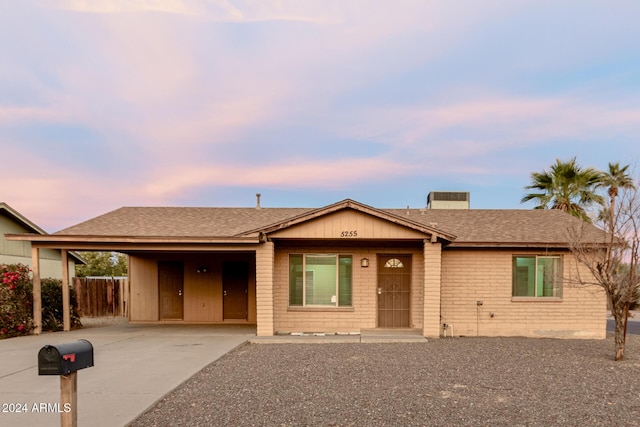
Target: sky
x=110, y=103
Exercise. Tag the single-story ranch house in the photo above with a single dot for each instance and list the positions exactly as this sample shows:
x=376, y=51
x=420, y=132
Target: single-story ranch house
x=349, y=267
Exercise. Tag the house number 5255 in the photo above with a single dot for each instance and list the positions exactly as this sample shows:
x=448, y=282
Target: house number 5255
x=349, y=233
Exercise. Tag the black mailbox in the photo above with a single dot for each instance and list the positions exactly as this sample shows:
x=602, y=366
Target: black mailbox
x=63, y=359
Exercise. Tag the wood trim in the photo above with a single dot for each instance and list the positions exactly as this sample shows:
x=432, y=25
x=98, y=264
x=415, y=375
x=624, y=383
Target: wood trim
x=66, y=306
x=57, y=238
x=148, y=247
x=37, y=291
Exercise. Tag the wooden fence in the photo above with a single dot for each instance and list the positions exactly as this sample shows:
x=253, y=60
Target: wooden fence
x=102, y=296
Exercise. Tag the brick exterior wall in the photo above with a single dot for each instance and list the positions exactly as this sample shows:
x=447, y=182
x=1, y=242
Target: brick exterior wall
x=432, y=289
x=469, y=276
x=446, y=286
x=264, y=289
x=362, y=314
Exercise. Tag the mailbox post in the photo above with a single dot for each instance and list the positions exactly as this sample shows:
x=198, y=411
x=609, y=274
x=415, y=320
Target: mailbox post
x=65, y=360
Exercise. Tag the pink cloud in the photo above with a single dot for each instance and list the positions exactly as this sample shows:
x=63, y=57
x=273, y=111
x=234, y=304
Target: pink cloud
x=13, y=114
x=117, y=6
x=521, y=121
x=329, y=174
x=211, y=10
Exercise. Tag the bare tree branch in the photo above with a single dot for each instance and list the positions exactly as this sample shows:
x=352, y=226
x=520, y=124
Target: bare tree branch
x=612, y=259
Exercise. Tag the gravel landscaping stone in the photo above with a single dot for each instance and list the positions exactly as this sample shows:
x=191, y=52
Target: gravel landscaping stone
x=442, y=382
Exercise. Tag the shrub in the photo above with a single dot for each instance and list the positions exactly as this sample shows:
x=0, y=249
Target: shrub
x=52, y=314
x=15, y=301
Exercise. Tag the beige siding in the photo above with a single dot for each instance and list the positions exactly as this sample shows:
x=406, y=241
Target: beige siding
x=143, y=285
x=348, y=225
x=202, y=292
x=363, y=313
x=469, y=276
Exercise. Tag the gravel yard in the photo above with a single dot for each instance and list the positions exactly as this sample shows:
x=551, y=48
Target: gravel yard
x=445, y=382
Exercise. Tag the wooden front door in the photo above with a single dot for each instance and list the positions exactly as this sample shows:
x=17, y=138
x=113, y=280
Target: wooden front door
x=170, y=285
x=394, y=291
x=235, y=289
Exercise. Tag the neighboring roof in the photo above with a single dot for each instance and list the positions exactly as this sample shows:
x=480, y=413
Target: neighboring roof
x=19, y=218
x=31, y=226
x=461, y=227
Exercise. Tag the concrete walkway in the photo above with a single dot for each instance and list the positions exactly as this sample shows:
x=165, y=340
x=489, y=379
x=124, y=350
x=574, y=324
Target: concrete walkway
x=366, y=336
x=135, y=366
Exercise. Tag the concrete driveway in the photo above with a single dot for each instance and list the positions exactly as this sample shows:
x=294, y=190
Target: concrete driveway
x=135, y=365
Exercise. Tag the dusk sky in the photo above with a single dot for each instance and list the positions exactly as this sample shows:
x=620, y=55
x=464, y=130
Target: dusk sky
x=110, y=103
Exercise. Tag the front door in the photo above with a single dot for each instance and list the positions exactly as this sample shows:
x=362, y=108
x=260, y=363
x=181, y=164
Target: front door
x=170, y=285
x=394, y=291
x=235, y=289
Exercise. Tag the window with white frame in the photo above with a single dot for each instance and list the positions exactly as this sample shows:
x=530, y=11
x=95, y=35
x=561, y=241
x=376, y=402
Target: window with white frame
x=537, y=276
x=320, y=280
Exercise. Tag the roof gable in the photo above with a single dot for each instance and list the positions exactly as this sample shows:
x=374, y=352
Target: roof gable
x=348, y=224
x=348, y=217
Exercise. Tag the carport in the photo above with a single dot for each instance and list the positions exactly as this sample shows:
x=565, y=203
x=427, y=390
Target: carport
x=188, y=251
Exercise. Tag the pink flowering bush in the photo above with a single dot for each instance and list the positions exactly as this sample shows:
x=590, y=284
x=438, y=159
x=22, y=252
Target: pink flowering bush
x=15, y=301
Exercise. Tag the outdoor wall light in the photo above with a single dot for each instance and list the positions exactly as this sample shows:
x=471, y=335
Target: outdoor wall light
x=201, y=270
x=364, y=262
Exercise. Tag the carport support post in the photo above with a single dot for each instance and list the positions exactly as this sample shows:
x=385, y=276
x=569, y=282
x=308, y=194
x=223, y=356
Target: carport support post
x=69, y=400
x=66, y=311
x=37, y=290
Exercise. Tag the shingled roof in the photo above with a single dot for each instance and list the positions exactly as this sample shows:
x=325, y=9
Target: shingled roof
x=180, y=221
x=504, y=227
x=470, y=227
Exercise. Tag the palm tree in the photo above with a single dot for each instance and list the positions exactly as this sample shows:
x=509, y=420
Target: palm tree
x=567, y=187
x=615, y=179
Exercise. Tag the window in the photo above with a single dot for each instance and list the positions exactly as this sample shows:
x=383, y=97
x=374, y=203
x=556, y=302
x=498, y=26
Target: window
x=320, y=280
x=537, y=276
x=393, y=263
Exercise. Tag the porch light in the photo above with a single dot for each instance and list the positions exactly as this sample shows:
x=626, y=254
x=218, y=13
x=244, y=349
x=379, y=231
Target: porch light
x=201, y=270
x=364, y=262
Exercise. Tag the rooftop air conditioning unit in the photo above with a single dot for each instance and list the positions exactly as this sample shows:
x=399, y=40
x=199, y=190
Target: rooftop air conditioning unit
x=448, y=200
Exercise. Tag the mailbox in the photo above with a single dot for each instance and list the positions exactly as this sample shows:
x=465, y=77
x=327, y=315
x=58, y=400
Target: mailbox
x=63, y=359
